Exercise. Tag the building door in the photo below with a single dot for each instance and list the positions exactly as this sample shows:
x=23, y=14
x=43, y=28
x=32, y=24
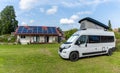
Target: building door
x=36, y=39
x=59, y=39
x=46, y=39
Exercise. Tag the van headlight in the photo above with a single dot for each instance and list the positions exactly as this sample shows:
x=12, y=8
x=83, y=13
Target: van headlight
x=68, y=46
x=61, y=49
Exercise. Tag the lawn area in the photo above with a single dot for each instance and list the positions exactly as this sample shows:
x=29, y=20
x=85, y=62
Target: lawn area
x=45, y=59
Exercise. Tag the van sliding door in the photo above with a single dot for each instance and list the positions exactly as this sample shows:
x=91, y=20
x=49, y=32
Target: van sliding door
x=93, y=45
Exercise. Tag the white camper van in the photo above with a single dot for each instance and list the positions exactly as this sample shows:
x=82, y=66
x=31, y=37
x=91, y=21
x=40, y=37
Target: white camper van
x=92, y=39
x=88, y=42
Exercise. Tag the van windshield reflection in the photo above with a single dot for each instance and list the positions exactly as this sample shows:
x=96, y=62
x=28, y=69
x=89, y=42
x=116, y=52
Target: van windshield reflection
x=71, y=39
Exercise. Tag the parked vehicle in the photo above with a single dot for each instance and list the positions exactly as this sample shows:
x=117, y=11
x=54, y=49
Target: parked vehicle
x=88, y=42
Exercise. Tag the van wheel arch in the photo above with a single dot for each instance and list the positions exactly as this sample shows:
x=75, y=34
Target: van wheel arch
x=74, y=56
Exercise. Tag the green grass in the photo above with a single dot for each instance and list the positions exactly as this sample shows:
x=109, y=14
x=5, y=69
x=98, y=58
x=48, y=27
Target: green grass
x=44, y=58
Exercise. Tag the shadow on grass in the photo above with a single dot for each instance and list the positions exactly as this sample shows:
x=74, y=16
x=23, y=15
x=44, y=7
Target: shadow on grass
x=87, y=57
x=93, y=56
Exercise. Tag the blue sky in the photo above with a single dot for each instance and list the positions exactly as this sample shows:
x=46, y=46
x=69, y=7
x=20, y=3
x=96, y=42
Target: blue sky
x=64, y=13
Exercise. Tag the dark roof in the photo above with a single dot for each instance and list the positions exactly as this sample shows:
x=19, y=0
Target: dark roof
x=36, y=30
x=94, y=21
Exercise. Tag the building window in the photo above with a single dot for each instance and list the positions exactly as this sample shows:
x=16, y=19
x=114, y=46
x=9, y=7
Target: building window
x=22, y=37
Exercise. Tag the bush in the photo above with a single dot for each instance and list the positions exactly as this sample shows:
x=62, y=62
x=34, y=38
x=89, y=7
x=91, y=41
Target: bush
x=7, y=38
x=117, y=35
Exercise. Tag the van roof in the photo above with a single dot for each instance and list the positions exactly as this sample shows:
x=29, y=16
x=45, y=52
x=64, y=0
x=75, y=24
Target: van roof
x=94, y=21
x=94, y=32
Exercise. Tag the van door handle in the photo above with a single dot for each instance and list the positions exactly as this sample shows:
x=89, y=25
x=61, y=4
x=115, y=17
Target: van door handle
x=95, y=48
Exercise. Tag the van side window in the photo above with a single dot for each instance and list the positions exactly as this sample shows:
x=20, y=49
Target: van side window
x=93, y=39
x=110, y=39
x=105, y=39
x=82, y=39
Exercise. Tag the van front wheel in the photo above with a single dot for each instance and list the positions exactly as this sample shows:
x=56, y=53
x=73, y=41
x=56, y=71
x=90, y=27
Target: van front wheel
x=74, y=56
x=110, y=52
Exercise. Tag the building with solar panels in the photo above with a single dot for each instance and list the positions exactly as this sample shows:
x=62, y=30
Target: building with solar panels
x=37, y=34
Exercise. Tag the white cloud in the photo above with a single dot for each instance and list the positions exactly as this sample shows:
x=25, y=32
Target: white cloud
x=32, y=21
x=94, y=2
x=52, y=10
x=66, y=21
x=23, y=23
x=70, y=20
x=83, y=2
x=27, y=4
x=84, y=12
x=42, y=10
x=70, y=4
x=74, y=17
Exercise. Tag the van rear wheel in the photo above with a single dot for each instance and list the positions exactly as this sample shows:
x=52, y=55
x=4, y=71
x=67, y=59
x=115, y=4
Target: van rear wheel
x=74, y=56
x=110, y=52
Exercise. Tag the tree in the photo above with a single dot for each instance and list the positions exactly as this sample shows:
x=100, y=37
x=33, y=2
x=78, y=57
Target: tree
x=69, y=33
x=8, y=20
x=118, y=29
x=110, y=26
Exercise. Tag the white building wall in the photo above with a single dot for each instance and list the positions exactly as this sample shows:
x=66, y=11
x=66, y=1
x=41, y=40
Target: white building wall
x=29, y=39
x=42, y=39
x=53, y=39
x=25, y=40
x=50, y=39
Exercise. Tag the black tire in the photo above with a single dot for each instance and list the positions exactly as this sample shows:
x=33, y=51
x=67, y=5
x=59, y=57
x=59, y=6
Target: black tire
x=74, y=56
x=110, y=52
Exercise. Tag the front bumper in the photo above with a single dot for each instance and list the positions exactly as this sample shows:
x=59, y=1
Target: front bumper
x=64, y=54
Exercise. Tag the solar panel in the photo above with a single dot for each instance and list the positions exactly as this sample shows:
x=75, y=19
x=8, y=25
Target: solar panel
x=36, y=30
x=24, y=30
x=30, y=31
x=19, y=29
x=44, y=31
x=54, y=30
x=49, y=30
x=39, y=30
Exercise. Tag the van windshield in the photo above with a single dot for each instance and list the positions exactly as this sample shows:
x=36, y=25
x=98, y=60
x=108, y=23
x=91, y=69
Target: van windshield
x=71, y=39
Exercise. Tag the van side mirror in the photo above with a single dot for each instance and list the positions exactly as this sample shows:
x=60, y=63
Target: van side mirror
x=78, y=43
